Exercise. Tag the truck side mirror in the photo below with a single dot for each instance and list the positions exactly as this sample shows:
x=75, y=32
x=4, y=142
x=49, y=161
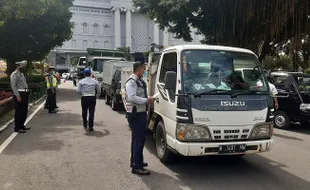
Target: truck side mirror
x=170, y=80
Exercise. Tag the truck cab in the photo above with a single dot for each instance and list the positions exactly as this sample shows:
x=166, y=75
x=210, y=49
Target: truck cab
x=293, y=98
x=203, y=107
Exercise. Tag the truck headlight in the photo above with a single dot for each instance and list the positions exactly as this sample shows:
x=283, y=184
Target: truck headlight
x=263, y=130
x=192, y=132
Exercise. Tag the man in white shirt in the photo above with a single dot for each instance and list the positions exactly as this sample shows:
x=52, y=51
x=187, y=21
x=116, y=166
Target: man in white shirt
x=273, y=91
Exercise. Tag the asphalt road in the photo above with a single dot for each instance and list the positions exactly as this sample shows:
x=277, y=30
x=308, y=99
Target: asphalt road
x=58, y=154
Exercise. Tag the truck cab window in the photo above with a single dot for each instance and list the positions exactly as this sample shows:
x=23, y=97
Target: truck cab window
x=169, y=64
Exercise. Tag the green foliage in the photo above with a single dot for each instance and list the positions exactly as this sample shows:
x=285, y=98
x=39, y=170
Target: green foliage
x=243, y=23
x=275, y=62
x=30, y=29
x=126, y=50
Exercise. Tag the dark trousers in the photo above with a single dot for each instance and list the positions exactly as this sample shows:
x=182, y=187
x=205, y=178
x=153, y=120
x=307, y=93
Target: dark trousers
x=21, y=110
x=138, y=136
x=88, y=105
x=46, y=102
x=51, y=101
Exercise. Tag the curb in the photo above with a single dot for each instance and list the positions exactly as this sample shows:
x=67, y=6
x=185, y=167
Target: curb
x=12, y=120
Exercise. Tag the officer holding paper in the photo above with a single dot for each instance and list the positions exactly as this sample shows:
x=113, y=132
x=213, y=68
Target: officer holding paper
x=136, y=106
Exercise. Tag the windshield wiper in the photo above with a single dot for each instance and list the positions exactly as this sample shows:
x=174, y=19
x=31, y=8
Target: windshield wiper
x=245, y=92
x=209, y=92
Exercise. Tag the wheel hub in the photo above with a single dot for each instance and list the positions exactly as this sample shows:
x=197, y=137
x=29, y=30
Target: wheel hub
x=280, y=120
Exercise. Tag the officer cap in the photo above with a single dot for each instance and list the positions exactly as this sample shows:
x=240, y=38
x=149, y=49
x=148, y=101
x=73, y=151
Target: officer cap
x=51, y=67
x=137, y=65
x=21, y=63
x=86, y=71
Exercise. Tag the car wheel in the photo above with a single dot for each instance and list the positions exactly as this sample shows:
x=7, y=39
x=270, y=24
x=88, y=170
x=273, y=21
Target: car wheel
x=281, y=120
x=107, y=99
x=114, y=104
x=163, y=152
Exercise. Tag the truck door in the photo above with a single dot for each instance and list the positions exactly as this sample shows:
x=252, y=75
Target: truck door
x=165, y=104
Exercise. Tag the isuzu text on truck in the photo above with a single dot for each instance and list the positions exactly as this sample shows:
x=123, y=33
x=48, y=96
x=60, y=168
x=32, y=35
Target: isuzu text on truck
x=202, y=107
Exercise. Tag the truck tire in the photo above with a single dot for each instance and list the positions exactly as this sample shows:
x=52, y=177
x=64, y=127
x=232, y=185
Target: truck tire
x=281, y=120
x=163, y=152
x=114, y=104
x=107, y=99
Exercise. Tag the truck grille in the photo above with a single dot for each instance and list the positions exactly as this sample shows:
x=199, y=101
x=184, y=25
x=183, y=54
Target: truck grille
x=230, y=134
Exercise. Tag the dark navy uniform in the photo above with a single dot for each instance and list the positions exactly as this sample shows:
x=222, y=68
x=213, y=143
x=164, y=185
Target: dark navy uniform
x=136, y=104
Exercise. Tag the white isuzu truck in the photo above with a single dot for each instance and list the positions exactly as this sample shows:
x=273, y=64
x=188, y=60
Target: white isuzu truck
x=202, y=107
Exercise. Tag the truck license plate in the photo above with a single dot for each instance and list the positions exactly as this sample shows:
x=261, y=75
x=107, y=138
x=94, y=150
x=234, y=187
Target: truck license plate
x=233, y=148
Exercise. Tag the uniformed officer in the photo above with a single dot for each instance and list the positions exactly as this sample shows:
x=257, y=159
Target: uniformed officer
x=89, y=89
x=20, y=90
x=51, y=84
x=46, y=102
x=136, y=106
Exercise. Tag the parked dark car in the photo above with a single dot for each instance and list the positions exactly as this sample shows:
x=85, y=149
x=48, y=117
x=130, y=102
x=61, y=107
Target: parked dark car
x=293, y=98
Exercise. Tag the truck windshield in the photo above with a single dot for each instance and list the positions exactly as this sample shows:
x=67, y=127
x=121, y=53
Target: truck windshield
x=98, y=64
x=232, y=72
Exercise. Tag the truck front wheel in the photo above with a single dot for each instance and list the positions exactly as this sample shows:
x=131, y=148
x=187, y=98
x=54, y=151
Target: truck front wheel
x=163, y=152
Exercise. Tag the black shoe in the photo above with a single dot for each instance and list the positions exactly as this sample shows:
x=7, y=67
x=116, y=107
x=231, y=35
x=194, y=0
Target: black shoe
x=53, y=111
x=140, y=172
x=144, y=165
x=91, y=129
x=26, y=128
x=20, y=131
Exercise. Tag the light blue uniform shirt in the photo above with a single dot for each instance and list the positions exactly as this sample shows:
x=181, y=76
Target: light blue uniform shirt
x=88, y=87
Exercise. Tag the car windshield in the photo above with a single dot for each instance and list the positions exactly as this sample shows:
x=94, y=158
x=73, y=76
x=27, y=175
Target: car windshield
x=225, y=71
x=303, y=83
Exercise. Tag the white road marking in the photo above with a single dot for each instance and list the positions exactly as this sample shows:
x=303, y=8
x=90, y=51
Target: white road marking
x=14, y=134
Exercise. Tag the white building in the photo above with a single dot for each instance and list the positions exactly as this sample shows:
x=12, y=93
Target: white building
x=110, y=24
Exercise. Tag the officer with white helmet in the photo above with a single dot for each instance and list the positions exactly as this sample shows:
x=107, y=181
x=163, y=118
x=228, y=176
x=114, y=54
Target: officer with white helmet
x=20, y=90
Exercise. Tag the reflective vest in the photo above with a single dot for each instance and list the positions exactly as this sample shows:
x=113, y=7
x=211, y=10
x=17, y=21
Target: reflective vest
x=54, y=82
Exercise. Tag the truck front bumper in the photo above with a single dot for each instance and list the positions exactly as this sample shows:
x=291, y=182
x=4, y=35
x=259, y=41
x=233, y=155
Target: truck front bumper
x=212, y=148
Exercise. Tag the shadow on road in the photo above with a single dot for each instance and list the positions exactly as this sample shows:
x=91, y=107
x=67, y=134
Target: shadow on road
x=215, y=172
x=300, y=129
x=65, y=95
x=97, y=133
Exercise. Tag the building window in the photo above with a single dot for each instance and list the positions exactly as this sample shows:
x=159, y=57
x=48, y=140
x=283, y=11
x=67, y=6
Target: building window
x=106, y=29
x=95, y=44
x=73, y=44
x=85, y=27
x=96, y=28
x=85, y=44
x=106, y=44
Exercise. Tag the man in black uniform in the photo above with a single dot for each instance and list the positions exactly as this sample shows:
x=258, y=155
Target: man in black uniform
x=136, y=103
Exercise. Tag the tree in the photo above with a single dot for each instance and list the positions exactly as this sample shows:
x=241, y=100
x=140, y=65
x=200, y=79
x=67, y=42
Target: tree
x=251, y=24
x=30, y=29
x=126, y=50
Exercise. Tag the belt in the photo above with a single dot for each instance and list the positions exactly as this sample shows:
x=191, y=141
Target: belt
x=23, y=90
x=88, y=95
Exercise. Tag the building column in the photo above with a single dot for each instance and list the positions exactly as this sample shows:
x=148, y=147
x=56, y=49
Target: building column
x=117, y=28
x=68, y=60
x=156, y=34
x=166, y=38
x=128, y=29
